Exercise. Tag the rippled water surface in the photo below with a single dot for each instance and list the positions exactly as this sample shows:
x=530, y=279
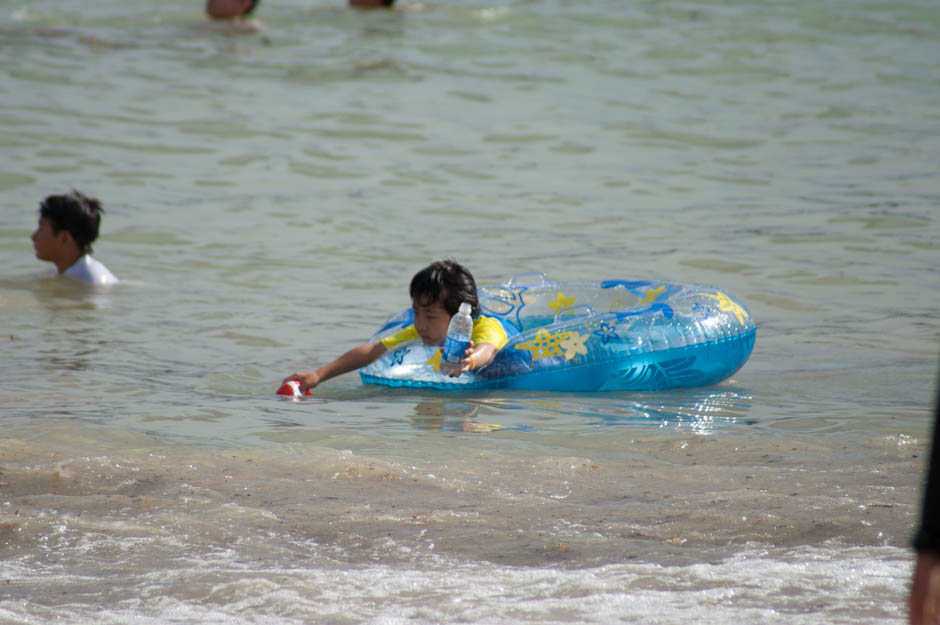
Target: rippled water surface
x=268, y=196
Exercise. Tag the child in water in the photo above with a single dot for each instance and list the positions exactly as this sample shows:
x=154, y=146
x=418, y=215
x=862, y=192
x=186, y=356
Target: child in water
x=436, y=293
x=371, y=4
x=68, y=224
x=237, y=12
x=230, y=9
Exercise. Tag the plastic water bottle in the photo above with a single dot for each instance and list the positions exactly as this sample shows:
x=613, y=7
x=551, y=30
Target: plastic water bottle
x=458, y=339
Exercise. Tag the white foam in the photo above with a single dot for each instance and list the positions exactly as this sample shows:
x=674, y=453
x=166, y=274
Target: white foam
x=810, y=586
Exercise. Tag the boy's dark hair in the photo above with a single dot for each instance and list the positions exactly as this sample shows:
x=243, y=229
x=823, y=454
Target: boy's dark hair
x=388, y=3
x=75, y=212
x=446, y=281
x=255, y=3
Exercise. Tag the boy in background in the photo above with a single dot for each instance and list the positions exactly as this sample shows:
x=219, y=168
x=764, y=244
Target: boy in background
x=68, y=224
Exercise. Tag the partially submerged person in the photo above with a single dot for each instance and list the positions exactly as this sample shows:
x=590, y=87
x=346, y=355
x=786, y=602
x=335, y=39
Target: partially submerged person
x=68, y=225
x=236, y=11
x=924, y=598
x=436, y=294
x=371, y=4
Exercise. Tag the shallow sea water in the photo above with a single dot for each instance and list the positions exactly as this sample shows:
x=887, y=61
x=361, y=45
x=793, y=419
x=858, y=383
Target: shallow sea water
x=268, y=197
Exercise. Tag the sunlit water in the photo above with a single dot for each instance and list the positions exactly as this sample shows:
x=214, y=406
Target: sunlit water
x=268, y=197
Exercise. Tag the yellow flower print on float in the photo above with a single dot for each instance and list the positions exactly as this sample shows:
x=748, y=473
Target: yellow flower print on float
x=727, y=304
x=574, y=345
x=561, y=302
x=545, y=345
x=652, y=294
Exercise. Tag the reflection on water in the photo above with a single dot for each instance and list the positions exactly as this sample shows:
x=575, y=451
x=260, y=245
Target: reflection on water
x=66, y=295
x=69, y=323
x=444, y=415
x=700, y=410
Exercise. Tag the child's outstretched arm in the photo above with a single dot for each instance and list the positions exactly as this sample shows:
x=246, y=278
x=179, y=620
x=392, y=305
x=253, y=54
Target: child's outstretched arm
x=353, y=359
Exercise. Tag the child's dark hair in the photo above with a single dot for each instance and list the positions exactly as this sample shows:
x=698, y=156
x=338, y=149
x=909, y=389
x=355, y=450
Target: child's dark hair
x=387, y=3
x=255, y=3
x=75, y=212
x=446, y=281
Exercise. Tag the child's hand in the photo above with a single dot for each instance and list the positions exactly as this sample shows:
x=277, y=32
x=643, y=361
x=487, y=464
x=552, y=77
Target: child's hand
x=477, y=357
x=306, y=380
x=467, y=363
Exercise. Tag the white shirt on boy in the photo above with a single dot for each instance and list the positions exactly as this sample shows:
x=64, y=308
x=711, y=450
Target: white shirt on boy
x=90, y=270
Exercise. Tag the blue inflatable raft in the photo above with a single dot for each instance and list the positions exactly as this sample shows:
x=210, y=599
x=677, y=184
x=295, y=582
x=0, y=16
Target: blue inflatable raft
x=609, y=335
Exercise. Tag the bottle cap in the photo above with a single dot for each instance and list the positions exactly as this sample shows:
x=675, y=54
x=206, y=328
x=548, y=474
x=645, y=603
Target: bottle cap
x=291, y=388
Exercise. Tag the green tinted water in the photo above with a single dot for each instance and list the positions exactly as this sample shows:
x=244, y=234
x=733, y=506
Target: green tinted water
x=268, y=197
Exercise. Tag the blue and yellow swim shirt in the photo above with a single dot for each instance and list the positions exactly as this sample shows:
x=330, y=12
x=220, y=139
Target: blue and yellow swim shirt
x=485, y=330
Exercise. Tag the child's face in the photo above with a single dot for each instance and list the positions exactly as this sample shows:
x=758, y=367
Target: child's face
x=46, y=241
x=431, y=321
